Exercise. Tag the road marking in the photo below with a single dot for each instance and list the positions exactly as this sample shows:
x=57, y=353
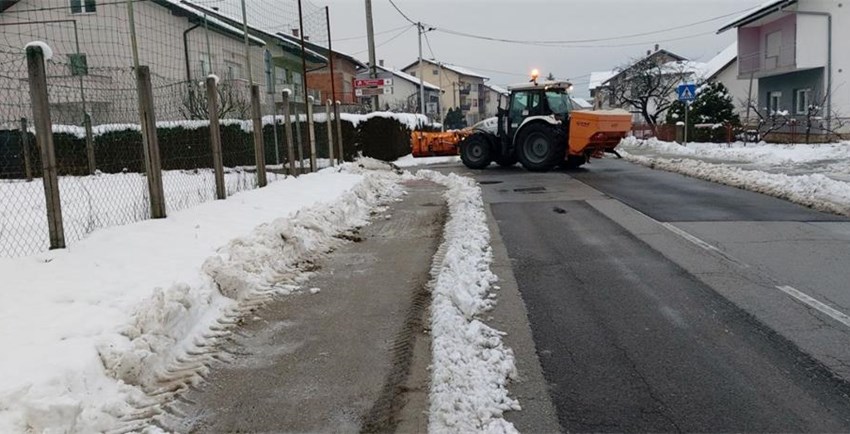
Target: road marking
x=823, y=308
x=702, y=244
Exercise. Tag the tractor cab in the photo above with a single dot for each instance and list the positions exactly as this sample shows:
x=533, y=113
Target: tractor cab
x=533, y=100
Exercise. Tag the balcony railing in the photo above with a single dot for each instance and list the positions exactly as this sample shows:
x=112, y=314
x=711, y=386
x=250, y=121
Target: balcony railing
x=757, y=62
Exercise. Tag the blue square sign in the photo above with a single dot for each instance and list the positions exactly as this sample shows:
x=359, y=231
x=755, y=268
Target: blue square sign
x=687, y=92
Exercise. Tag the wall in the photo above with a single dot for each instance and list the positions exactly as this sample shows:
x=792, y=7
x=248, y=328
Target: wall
x=739, y=89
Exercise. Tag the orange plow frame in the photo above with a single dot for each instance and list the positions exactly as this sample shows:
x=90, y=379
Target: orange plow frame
x=436, y=144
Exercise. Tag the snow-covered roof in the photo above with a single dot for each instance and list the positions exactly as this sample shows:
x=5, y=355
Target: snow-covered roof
x=457, y=69
x=405, y=76
x=498, y=89
x=581, y=103
x=215, y=20
x=760, y=11
x=719, y=62
x=598, y=78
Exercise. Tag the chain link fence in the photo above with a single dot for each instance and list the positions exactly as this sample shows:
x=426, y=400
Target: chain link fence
x=94, y=106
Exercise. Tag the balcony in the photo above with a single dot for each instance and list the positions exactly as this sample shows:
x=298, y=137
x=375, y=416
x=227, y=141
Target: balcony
x=780, y=45
x=464, y=88
x=465, y=107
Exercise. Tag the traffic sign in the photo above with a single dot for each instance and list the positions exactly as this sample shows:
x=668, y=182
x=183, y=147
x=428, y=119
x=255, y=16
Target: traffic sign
x=687, y=92
x=372, y=91
x=372, y=82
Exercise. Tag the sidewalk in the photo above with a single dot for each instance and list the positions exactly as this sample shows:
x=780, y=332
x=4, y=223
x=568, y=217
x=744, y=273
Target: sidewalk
x=350, y=356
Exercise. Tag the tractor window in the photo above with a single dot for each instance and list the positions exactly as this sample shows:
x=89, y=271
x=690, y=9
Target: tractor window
x=559, y=102
x=519, y=103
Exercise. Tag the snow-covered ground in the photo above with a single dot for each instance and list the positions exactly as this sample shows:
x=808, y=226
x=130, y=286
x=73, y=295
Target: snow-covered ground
x=100, y=201
x=817, y=176
x=409, y=161
x=100, y=336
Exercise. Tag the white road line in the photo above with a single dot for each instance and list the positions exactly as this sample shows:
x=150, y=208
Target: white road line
x=823, y=308
x=702, y=244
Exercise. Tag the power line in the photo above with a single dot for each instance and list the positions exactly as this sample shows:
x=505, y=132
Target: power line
x=582, y=41
x=402, y=13
x=406, y=29
x=349, y=38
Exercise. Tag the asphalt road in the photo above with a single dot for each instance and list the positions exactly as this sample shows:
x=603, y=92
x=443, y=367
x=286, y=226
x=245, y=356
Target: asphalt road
x=631, y=338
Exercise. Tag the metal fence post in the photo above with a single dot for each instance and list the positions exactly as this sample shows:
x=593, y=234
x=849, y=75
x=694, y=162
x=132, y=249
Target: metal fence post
x=150, y=142
x=311, y=134
x=259, y=148
x=300, y=146
x=339, y=132
x=25, y=149
x=89, y=144
x=330, y=133
x=215, y=138
x=44, y=140
x=287, y=128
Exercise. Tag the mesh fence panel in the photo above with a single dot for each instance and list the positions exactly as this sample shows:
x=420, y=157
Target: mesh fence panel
x=94, y=105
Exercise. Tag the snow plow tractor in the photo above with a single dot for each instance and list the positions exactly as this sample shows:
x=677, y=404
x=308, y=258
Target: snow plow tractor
x=539, y=129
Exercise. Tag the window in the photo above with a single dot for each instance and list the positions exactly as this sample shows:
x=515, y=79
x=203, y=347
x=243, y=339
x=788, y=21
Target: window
x=774, y=100
x=519, y=104
x=279, y=76
x=205, y=65
x=802, y=100
x=83, y=6
x=773, y=44
x=435, y=72
x=559, y=102
x=234, y=70
x=413, y=73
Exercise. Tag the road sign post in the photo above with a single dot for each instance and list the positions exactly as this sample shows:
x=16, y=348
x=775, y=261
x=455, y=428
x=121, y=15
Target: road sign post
x=687, y=93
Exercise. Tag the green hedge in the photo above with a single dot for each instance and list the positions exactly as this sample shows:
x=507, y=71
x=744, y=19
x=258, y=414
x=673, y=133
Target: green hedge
x=187, y=149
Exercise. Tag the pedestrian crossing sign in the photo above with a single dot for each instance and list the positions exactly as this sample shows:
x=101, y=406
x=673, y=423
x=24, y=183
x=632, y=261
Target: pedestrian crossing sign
x=687, y=92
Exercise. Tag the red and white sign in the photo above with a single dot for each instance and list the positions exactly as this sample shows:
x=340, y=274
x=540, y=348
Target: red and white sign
x=372, y=82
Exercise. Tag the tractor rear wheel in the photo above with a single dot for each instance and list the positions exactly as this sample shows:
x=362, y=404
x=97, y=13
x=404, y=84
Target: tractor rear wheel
x=475, y=152
x=539, y=149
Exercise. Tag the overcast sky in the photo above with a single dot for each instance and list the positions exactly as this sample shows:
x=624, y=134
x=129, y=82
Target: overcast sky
x=528, y=20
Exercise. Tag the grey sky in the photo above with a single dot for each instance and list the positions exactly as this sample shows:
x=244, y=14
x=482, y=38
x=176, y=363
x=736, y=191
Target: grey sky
x=527, y=20
x=538, y=20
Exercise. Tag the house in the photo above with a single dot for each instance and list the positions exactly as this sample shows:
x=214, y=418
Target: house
x=462, y=87
x=491, y=99
x=597, y=89
x=284, y=70
x=580, y=103
x=346, y=68
x=91, y=72
x=798, y=51
x=646, y=87
x=403, y=95
x=723, y=68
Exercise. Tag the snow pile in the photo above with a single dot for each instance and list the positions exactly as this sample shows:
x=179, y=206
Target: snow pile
x=409, y=161
x=101, y=336
x=471, y=367
x=814, y=190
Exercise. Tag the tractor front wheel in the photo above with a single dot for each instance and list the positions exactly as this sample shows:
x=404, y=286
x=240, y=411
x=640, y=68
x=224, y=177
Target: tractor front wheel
x=475, y=152
x=539, y=149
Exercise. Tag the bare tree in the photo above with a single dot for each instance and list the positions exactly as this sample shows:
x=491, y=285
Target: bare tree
x=814, y=120
x=232, y=102
x=649, y=87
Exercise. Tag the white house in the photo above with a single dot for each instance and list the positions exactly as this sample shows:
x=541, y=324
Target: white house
x=799, y=53
x=93, y=59
x=723, y=68
x=462, y=87
x=403, y=95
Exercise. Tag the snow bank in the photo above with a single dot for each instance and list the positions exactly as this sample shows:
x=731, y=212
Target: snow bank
x=471, y=367
x=409, y=161
x=102, y=335
x=816, y=191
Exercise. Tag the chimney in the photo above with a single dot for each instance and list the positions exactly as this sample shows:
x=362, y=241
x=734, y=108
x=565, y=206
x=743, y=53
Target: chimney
x=656, y=47
x=295, y=33
x=648, y=52
x=381, y=62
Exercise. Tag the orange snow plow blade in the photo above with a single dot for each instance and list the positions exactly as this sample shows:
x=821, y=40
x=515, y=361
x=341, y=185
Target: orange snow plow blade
x=435, y=144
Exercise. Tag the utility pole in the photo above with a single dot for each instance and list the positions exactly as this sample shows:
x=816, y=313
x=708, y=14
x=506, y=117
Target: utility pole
x=330, y=56
x=370, y=33
x=303, y=61
x=421, y=72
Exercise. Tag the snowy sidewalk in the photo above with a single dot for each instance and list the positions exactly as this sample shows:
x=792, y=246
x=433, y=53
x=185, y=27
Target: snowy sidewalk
x=347, y=355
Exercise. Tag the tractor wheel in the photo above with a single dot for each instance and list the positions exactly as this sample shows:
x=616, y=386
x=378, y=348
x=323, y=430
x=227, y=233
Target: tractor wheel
x=506, y=160
x=539, y=149
x=475, y=152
